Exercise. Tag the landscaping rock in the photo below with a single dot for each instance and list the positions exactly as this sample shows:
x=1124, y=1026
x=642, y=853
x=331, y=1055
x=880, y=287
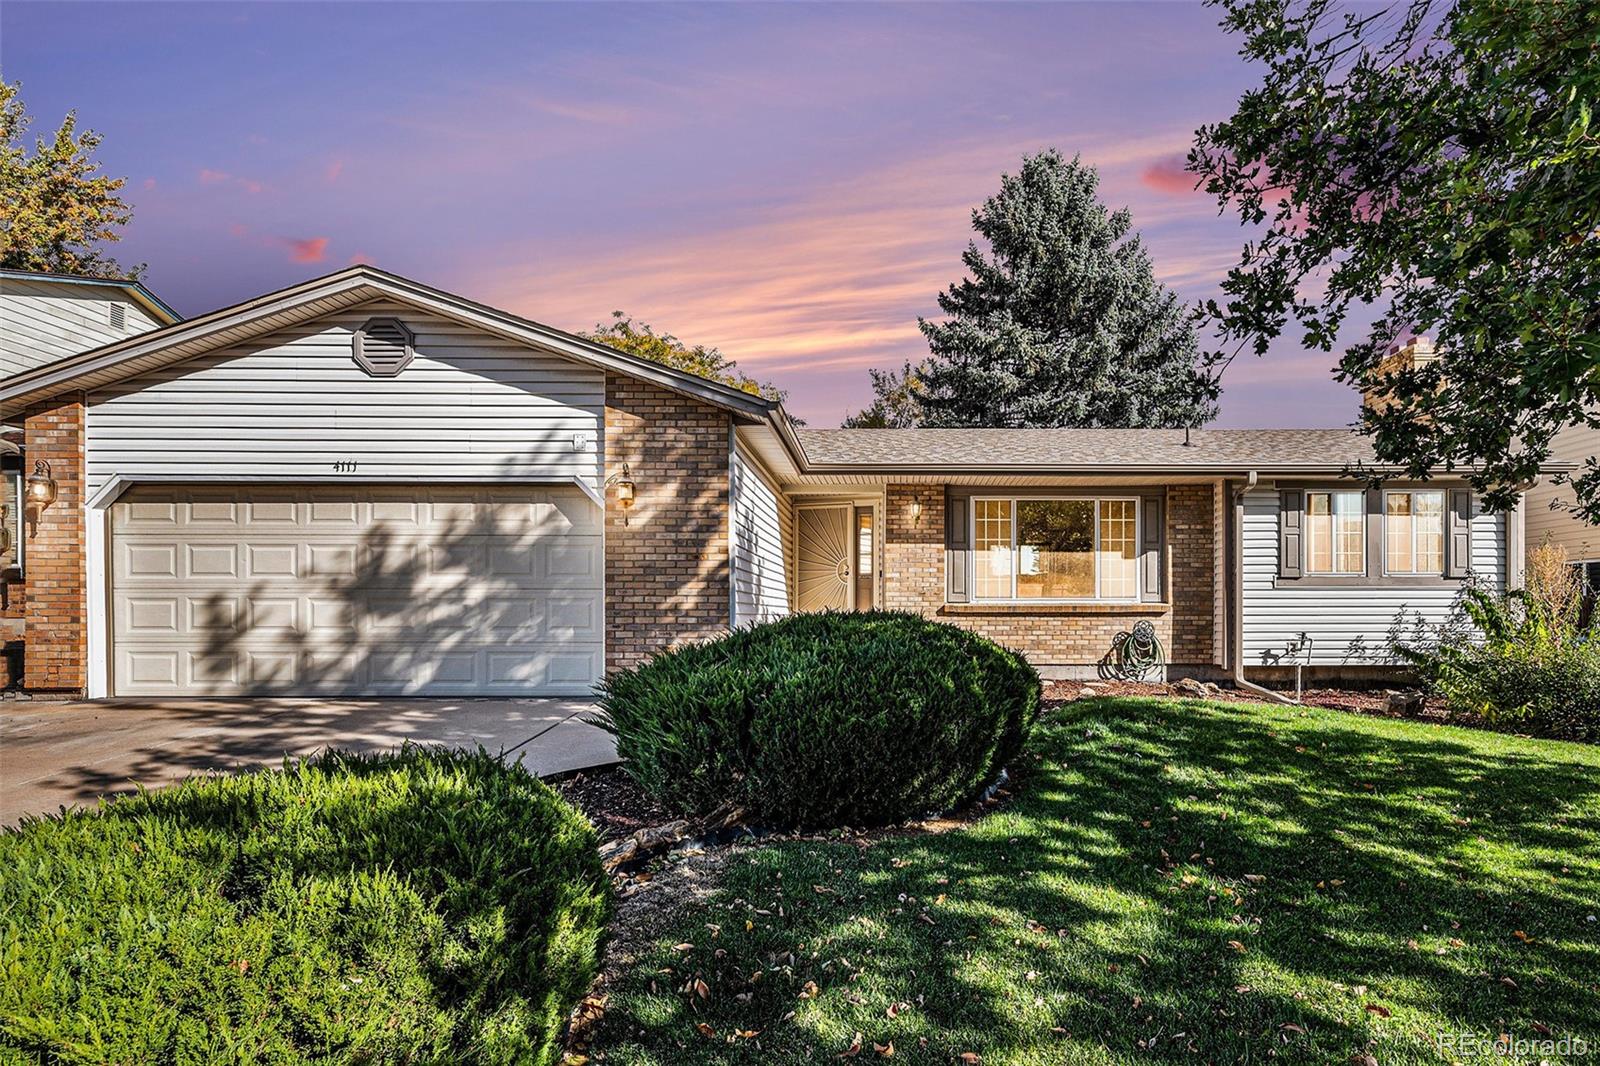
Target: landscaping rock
x=1408, y=702
x=644, y=842
x=1188, y=686
x=1087, y=693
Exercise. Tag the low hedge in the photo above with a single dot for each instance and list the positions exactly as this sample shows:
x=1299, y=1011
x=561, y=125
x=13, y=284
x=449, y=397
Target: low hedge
x=834, y=718
x=424, y=907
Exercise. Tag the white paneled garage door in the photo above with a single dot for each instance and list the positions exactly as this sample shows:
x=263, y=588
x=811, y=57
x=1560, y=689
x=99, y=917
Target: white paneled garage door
x=356, y=590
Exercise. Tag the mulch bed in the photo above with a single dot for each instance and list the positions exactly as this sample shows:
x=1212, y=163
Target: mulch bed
x=612, y=801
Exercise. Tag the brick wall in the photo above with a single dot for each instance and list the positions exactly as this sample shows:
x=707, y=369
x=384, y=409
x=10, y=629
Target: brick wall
x=667, y=567
x=1058, y=635
x=1192, y=570
x=55, y=605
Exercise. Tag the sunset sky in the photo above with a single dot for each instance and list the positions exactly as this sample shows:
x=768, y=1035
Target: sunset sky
x=790, y=183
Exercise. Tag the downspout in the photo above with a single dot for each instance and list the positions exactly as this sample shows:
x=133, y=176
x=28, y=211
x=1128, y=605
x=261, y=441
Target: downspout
x=1236, y=559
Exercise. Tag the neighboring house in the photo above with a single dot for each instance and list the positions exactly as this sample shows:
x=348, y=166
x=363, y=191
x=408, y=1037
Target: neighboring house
x=45, y=317
x=1550, y=514
x=364, y=485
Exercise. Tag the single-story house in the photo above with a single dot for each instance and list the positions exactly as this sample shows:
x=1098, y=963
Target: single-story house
x=1552, y=517
x=364, y=485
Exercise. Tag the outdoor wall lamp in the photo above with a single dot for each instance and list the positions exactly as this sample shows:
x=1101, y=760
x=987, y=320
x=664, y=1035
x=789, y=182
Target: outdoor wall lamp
x=623, y=480
x=41, y=489
x=5, y=528
x=916, y=511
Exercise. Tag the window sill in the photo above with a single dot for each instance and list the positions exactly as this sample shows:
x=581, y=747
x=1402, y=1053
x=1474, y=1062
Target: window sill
x=1054, y=608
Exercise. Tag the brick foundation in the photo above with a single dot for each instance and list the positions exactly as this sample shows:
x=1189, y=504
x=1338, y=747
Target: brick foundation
x=55, y=602
x=667, y=566
x=1067, y=636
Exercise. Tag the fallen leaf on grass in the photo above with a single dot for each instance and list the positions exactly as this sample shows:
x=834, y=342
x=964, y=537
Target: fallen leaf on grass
x=1236, y=946
x=895, y=1009
x=705, y=1030
x=1291, y=1027
x=683, y=947
x=1363, y=1060
x=970, y=1057
x=701, y=989
x=886, y=1050
x=1540, y=1028
x=1520, y=935
x=808, y=990
x=853, y=1050
x=1380, y=1010
x=747, y=1034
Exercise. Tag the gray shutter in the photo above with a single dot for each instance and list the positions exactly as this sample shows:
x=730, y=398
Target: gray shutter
x=1291, y=532
x=957, y=549
x=1150, y=549
x=1458, y=543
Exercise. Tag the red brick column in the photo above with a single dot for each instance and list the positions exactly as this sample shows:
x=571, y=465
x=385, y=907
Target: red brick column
x=667, y=565
x=54, y=614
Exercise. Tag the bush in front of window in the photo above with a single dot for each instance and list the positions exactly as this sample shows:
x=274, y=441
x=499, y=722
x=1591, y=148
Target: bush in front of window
x=826, y=719
x=421, y=907
x=1529, y=660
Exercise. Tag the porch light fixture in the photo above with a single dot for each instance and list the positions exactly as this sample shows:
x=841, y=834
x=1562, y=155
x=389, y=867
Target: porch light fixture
x=623, y=480
x=5, y=528
x=41, y=488
x=916, y=511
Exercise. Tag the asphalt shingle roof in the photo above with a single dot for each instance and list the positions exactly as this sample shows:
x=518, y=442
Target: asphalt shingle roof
x=1085, y=447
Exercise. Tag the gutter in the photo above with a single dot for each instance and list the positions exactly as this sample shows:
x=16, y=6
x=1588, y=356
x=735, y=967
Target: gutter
x=1236, y=590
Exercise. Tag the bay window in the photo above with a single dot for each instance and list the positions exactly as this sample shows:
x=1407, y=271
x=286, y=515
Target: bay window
x=1055, y=549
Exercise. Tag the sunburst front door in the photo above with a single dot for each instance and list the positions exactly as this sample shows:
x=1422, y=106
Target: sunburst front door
x=825, y=567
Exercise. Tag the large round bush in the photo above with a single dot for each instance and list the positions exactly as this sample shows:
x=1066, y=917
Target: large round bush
x=824, y=719
x=425, y=907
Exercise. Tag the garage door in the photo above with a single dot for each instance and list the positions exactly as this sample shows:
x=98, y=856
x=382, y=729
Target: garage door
x=356, y=590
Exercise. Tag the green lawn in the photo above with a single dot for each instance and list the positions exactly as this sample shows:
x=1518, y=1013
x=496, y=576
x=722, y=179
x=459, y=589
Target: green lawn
x=1174, y=882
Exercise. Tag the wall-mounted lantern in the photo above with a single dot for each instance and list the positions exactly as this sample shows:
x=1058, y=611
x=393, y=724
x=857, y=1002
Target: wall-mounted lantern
x=41, y=488
x=623, y=480
x=916, y=512
x=5, y=529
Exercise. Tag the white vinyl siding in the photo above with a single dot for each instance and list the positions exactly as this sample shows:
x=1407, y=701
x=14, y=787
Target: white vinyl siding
x=1347, y=626
x=43, y=320
x=763, y=523
x=471, y=406
x=1548, y=514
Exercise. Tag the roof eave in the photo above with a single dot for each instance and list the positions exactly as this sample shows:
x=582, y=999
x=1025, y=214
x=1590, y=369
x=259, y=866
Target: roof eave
x=53, y=378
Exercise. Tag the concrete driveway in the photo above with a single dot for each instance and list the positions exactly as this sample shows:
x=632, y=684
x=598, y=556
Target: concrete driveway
x=55, y=753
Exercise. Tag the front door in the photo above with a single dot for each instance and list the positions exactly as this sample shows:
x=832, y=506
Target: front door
x=825, y=566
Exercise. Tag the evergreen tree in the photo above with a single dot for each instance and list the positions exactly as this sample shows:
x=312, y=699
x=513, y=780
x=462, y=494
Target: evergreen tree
x=1061, y=321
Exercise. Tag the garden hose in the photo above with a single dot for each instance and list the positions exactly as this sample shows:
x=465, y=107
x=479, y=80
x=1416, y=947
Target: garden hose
x=1134, y=655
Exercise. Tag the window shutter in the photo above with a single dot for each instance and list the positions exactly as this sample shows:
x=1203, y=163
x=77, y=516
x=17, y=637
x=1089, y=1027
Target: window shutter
x=1150, y=549
x=1291, y=532
x=958, y=551
x=1458, y=547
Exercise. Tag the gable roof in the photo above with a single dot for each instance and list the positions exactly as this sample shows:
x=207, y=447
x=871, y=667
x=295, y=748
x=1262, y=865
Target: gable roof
x=334, y=292
x=156, y=306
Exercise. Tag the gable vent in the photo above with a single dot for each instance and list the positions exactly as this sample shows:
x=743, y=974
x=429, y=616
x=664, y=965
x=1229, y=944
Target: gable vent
x=119, y=316
x=383, y=346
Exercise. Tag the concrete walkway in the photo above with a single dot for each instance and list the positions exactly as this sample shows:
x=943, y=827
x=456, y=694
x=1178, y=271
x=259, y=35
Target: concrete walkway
x=55, y=753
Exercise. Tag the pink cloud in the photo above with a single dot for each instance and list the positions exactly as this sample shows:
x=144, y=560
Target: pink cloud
x=1167, y=175
x=149, y=183
x=359, y=259
x=306, y=249
x=209, y=176
x=335, y=168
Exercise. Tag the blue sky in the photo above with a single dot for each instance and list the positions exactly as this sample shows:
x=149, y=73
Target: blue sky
x=789, y=182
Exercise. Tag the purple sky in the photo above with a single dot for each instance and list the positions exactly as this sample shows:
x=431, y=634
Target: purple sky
x=790, y=183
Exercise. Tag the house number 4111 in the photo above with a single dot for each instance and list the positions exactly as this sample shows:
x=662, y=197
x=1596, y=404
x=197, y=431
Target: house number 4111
x=344, y=466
